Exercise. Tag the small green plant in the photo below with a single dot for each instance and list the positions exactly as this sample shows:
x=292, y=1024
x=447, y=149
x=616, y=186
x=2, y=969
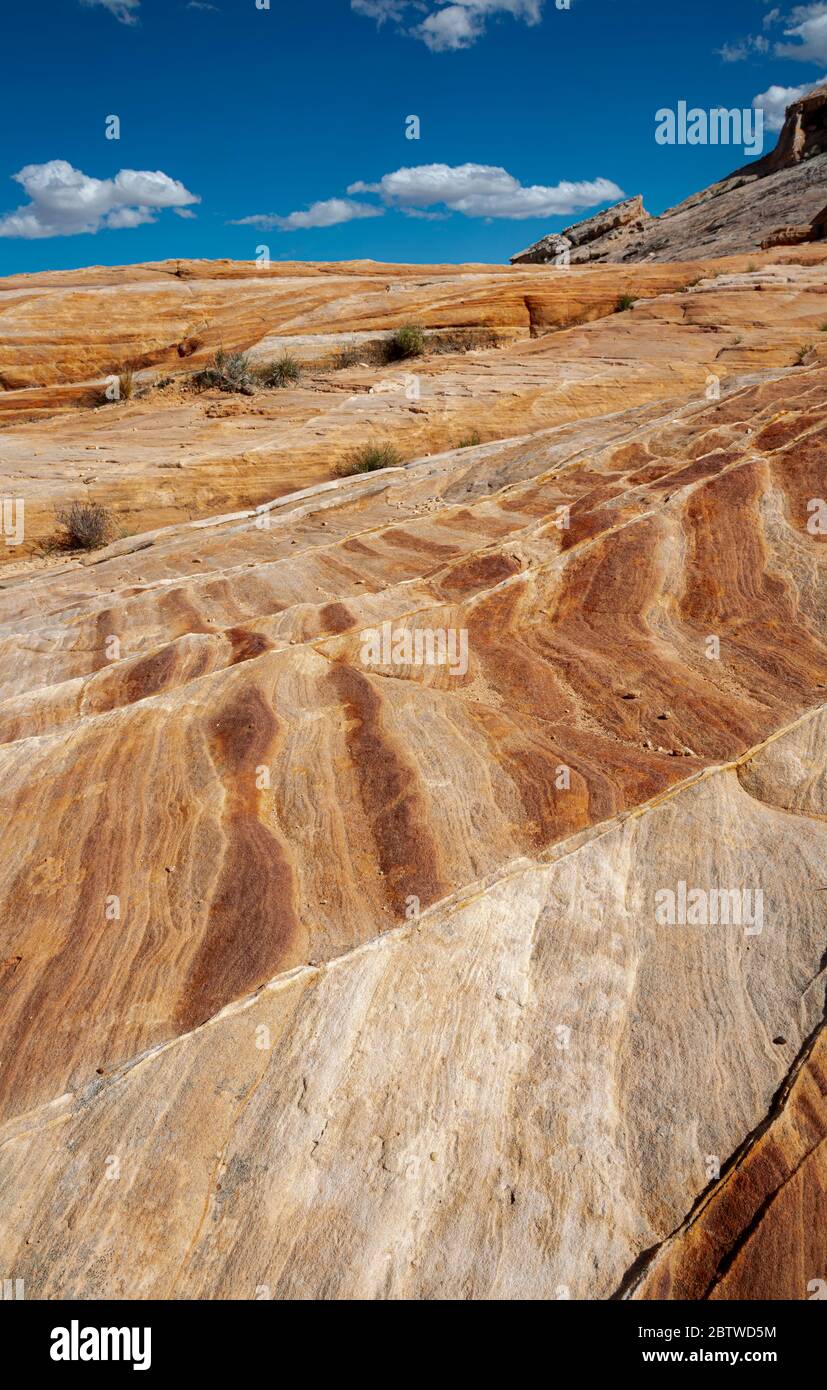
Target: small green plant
x=86, y=526
x=824, y=328
x=624, y=302
x=410, y=341
x=231, y=371
x=803, y=353
x=738, y=341
x=285, y=371
x=407, y=341
x=470, y=441
x=368, y=458
x=752, y=267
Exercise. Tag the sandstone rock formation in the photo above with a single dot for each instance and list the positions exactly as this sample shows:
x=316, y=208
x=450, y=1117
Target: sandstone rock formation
x=552, y=248
x=622, y=218
x=794, y=236
x=171, y=455
x=630, y=215
x=784, y=190
x=803, y=136
x=329, y=971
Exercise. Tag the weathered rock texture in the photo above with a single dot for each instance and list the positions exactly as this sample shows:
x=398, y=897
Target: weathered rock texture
x=173, y=455
x=324, y=976
x=551, y=248
x=794, y=236
x=750, y=208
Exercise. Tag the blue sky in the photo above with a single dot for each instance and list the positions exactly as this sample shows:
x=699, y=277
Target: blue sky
x=267, y=113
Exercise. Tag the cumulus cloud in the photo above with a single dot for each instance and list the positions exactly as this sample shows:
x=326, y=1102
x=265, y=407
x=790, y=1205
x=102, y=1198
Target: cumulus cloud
x=808, y=25
x=66, y=202
x=124, y=10
x=775, y=100
x=485, y=190
x=447, y=25
x=329, y=213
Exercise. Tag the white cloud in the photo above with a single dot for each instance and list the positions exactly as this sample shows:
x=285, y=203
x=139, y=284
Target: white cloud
x=775, y=100
x=184, y=212
x=329, y=213
x=66, y=202
x=124, y=10
x=484, y=190
x=809, y=26
x=744, y=48
x=380, y=10
x=772, y=17
x=447, y=24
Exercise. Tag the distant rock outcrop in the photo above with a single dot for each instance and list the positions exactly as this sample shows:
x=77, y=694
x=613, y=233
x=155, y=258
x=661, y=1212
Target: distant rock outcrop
x=548, y=249
x=729, y=217
x=629, y=216
x=804, y=135
x=625, y=217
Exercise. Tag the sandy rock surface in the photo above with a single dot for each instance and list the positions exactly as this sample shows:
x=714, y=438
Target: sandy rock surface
x=327, y=970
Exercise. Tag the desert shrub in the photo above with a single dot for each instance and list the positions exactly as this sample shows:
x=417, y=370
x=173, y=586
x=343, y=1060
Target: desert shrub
x=803, y=353
x=624, y=302
x=463, y=340
x=407, y=341
x=231, y=371
x=368, y=458
x=410, y=341
x=126, y=384
x=285, y=371
x=470, y=441
x=86, y=525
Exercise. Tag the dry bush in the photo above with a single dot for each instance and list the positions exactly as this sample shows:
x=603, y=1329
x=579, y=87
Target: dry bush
x=231, y=371
x=86, y=526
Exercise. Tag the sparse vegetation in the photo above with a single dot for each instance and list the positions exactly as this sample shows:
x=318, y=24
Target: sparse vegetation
x=231, y=371
x=470, y=441
x=824, y=328
x=624, y=302
x=86, y=526
x=285, y=371
x=368, y=458
x=410, y=341
x=803, y=353
x=752, y=268
x=407, y=341
x=463, y=340
x=126, y=384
